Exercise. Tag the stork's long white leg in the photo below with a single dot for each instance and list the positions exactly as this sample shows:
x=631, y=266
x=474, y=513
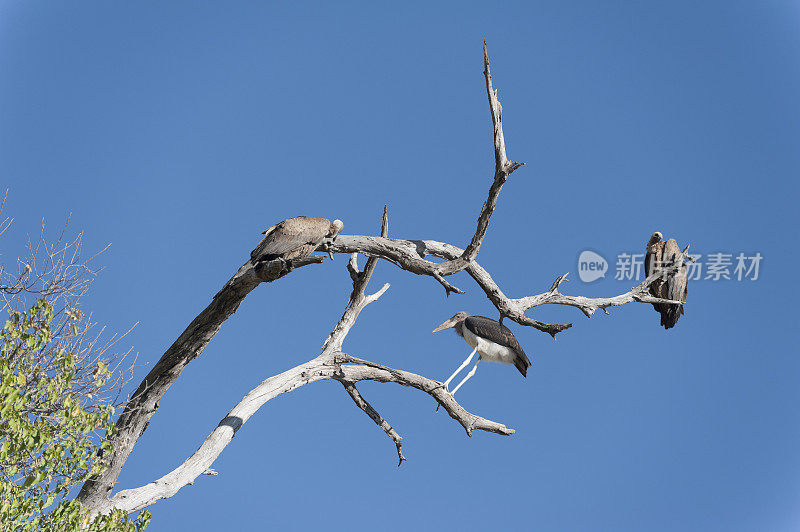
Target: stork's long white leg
x=462, y=366
x=470, y=374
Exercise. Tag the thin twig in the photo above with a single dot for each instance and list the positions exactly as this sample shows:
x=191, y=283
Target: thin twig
x=368, y=409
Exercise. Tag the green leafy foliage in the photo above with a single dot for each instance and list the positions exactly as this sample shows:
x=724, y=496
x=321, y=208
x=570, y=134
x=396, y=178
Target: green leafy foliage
x=52, y=425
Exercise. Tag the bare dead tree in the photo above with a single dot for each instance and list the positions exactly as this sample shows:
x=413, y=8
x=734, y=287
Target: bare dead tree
x=333, y=363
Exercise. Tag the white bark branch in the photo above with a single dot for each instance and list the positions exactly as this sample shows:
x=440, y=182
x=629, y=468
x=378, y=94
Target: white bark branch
x=144, y=402
x=338, y=366
x=358, y=300
x=332, y=363
x=366, y=370
x=135, y=499
x=503, y=168
x=407, y=254
x=588, y=305
x=364, y=405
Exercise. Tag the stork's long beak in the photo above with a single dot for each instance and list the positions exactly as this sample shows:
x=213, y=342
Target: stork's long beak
x=446, y=325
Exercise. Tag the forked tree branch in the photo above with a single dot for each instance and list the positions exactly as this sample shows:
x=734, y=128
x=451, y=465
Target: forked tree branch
x=144, y=401
x=502, y=169
x=358, y=300
x=332, y=363
x=588, y=305
x=328, y=366
x=366, y=370
x=407, y=253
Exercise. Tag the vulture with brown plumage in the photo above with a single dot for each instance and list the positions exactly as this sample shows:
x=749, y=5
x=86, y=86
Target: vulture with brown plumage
x=295, y=238
x=661, y=254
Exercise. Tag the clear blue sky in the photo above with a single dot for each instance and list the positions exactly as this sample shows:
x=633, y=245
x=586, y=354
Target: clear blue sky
x=177, y=131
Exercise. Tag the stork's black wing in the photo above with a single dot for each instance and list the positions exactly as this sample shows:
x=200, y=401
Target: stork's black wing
x=500, y=334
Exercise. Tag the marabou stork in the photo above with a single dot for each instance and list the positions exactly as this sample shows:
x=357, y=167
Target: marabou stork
x=492, y=340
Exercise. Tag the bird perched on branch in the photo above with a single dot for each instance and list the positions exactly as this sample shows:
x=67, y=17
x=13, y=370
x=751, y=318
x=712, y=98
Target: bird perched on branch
x=492, y=341
x=295, y=238
x=661, y=255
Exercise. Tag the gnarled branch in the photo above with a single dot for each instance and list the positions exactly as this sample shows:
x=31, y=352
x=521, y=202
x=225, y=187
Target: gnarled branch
x=144, y=401
x=408, y=253
x=331, y=364
x=588, y=305
x=134, y=420
x=365, y=370
x=502, y=169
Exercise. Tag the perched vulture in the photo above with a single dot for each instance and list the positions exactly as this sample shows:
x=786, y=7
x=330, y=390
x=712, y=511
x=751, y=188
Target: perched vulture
x=295, y=238
x=660, y=254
